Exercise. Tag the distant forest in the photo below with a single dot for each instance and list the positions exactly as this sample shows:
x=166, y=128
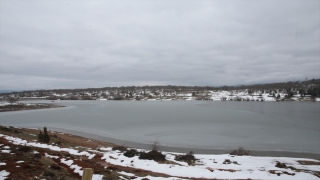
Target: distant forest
x=309, y=87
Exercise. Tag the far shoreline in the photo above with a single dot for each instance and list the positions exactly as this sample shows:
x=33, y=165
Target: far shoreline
x=24, y=107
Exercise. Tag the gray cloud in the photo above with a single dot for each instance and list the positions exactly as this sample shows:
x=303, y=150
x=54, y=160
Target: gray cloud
x=78, y=44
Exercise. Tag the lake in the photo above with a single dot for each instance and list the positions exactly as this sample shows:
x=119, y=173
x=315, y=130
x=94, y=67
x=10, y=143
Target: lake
x=195, y=125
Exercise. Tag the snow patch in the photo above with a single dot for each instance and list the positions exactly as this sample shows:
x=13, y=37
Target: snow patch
x=50, y=156
x=126, y=174
x=18, y=141
x=6, y=147
x=67, y=162
x=4, y=174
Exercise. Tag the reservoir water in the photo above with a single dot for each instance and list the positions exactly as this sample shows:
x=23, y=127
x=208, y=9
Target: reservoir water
x=224, y=125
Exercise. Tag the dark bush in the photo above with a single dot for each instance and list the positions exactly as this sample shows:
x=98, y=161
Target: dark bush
x=24, y=149
x=188, y=158
x=5, y=128
x=153, y=155
x=235, y=162
x=37, y=155
x=17, y=132
x=44, y=137
x=40, y=136
x=48, y=173
x=119, y=148
x=281, y=165
x=130, y=153
x=240, y=152
x=55, y=167
x=227, y=161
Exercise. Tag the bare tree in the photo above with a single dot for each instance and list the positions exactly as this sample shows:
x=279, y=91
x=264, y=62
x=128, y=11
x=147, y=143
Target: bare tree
x=12, y=100
x=155, y=145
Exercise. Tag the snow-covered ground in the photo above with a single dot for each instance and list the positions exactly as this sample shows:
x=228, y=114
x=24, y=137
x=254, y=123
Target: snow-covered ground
x=243, y=96
x=6, y=104
x=217, y=95
x=240, y=95
x=206, y=166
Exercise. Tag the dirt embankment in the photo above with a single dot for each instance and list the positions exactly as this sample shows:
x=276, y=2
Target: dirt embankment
x=26, y=162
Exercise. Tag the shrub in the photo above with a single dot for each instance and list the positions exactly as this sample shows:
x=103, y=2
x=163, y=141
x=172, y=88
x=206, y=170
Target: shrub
x=130, y=153
x=44, y=137
x=188, y=158
x=24, y=149
x=240, y=152
x=119, y=148
x=281, y=165
x=227, y=161
x=48, y=173
x=40, y=136
x=55, y=167
x=153, y=155
x=37, y=155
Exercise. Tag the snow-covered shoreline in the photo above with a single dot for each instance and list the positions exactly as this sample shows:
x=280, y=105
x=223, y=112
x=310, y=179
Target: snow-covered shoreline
x=206, y=166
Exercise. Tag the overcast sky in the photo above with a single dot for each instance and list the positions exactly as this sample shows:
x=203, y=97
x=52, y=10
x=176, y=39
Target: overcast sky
x=82, y=44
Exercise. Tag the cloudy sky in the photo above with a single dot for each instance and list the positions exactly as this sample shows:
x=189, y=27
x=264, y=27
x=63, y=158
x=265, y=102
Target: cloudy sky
x=80, y=44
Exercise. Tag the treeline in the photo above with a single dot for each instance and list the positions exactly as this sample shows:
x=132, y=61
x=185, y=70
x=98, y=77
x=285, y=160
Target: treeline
x=310, y=87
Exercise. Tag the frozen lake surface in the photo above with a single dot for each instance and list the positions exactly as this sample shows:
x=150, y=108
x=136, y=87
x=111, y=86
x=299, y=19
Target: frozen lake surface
x=262, y=126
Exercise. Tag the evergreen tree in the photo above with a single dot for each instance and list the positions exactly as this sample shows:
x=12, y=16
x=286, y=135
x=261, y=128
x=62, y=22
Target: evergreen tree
x=302, y=92
x=290, y=93
x=46, y=137
x=40, y=136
